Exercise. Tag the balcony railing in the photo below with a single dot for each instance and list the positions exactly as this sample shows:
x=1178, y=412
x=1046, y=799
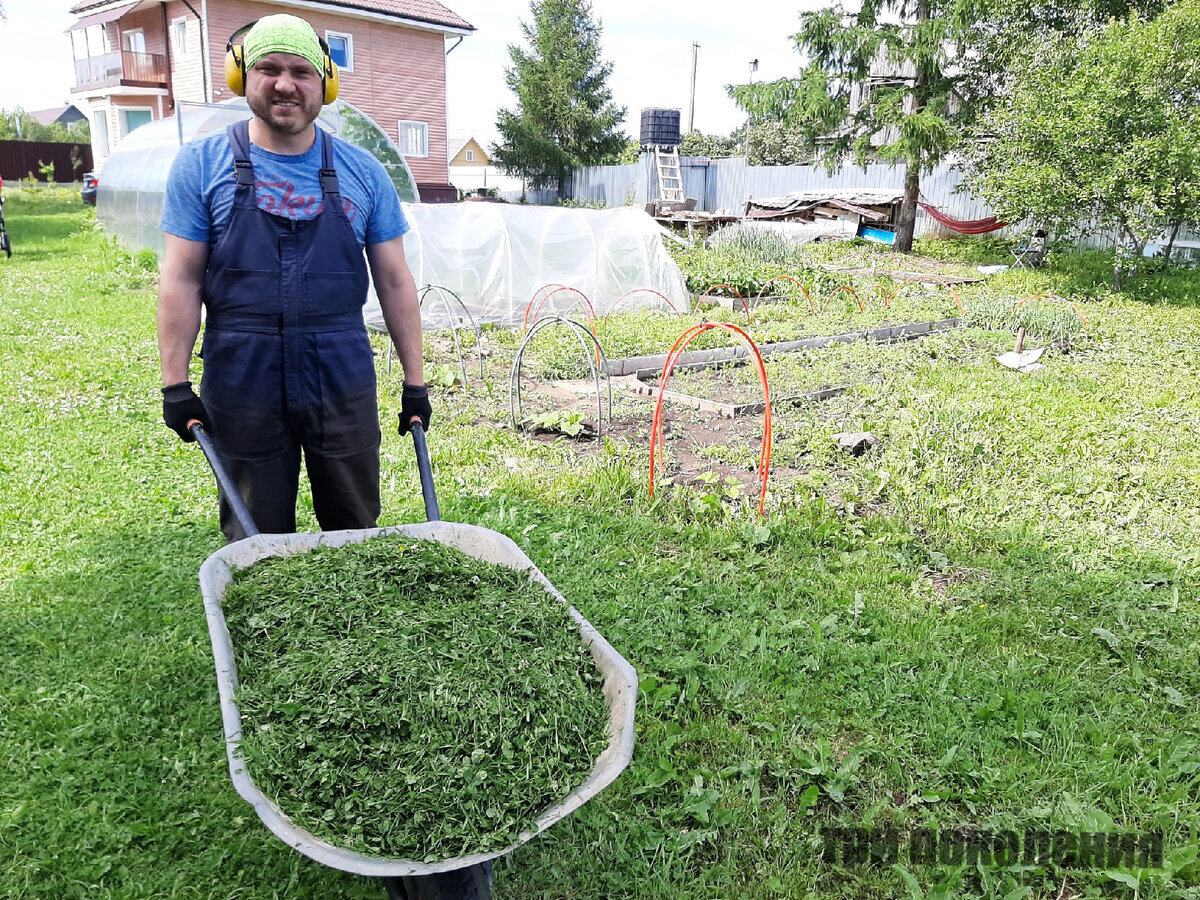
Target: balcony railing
x=120, y=68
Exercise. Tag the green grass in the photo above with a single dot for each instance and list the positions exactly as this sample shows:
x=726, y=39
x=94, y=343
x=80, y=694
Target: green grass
x=990, y=620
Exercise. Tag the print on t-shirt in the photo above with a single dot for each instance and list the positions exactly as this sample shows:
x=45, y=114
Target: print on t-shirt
x=280, y=199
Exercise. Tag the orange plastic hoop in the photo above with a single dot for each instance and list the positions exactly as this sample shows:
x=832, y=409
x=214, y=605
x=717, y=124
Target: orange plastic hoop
x=745, y=306
x=656, y=437
x=807, y=296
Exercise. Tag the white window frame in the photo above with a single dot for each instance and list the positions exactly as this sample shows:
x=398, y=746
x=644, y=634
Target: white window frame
x=122, y=124
x=179, y=37
x=470, y=157
x=125, y=35
x=423, y=128
x=349, y=39
x=101, y=140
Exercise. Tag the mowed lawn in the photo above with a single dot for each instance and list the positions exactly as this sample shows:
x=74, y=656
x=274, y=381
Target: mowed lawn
x=989, y=622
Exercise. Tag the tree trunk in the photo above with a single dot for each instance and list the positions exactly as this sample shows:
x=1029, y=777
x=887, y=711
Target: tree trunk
x=912, y=179
x=1171, y=242
x=907, y=222
x=1121, y=271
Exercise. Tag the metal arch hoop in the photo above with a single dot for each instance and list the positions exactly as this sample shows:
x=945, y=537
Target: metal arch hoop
x=514, y=377
x=442, y=291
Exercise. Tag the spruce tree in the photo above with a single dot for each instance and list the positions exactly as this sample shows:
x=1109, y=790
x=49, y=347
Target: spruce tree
x=564, y=116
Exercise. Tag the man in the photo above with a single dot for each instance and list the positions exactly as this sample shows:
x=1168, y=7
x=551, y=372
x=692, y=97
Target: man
x=265, y=227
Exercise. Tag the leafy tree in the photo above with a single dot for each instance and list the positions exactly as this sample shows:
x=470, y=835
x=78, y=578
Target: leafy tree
x=565, y=116
x=1107, y=128
x=773, y=144
x=33, y=130
x=629, y=153
x=1005, y=30
x=713, y=146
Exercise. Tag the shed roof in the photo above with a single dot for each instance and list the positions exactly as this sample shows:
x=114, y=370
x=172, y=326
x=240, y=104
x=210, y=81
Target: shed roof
x=857, y=196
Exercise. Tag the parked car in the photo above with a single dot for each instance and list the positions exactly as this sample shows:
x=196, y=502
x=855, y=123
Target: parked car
x=88, y=194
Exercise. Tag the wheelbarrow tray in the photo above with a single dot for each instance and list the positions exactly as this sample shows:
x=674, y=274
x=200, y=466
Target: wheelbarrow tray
x=620, y=686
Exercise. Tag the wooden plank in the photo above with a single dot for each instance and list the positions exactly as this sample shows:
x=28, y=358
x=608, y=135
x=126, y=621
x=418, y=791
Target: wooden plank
x=629, y=365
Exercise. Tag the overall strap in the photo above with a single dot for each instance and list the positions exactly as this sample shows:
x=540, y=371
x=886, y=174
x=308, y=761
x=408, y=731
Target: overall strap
x=329, y=179
x=239, y=141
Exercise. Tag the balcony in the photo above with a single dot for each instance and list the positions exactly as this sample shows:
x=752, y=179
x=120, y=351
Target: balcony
x=125, y=68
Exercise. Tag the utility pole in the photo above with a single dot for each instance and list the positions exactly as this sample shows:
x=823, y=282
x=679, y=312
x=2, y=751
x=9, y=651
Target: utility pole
x=692, y=102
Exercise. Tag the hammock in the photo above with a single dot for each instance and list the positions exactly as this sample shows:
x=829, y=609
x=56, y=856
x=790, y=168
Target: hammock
x=963, y=226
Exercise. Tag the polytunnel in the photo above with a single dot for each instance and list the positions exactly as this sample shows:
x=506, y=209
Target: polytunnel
x=496, y=256
x=493, y=256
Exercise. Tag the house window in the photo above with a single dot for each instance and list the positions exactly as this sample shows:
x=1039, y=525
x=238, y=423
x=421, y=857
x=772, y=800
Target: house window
x=341, y=49
x=414, y=138
x=134, y=41
x=132, y=118
x=179, y=36
x=470, y=156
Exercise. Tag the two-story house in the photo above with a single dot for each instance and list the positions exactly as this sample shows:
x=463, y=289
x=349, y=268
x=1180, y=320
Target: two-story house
x=135, y=61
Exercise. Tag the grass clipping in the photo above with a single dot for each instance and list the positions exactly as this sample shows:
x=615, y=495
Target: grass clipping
x=402, y=699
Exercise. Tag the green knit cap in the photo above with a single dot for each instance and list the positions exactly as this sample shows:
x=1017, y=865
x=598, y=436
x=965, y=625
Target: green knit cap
x=283, y=34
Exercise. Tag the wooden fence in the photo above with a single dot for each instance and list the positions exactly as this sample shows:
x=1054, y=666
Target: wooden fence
x=20, y=159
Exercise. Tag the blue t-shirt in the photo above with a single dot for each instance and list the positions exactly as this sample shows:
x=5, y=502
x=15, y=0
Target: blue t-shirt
x=201, y=184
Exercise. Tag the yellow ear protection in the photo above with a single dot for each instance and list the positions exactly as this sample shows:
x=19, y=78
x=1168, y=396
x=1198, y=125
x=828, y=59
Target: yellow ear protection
x=235, y=66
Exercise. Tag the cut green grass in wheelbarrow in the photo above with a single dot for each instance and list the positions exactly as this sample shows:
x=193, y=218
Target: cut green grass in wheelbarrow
x=408, y=800
x=402, y=699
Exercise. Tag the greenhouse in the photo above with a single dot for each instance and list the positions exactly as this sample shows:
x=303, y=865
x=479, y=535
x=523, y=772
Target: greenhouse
x=493, y=256
x=130, y=197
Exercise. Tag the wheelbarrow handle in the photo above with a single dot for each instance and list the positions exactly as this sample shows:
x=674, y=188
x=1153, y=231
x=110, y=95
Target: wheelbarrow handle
x=240, y=511
x=432, y=513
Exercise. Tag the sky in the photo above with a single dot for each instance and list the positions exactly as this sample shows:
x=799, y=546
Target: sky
x=649, y=46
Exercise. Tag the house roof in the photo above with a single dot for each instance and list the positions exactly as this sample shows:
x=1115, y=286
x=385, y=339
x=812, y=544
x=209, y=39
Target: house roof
x=457, y=143
x=50, y=116
x=428, y=11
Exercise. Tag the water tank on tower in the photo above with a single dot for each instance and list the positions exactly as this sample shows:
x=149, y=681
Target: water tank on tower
x=660, y=128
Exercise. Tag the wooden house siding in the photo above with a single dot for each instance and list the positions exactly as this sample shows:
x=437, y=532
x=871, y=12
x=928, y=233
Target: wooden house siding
x=409, y=84
x=187, y=73
x=399, y=73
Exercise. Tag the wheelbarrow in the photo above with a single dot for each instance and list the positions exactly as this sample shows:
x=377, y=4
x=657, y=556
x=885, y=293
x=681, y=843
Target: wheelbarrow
x=459, y=878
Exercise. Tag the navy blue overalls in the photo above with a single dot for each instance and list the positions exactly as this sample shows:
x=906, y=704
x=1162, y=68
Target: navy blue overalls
x=287, y=361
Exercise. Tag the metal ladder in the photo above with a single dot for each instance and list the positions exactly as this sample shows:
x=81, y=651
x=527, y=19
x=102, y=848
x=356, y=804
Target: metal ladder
x=670, y=177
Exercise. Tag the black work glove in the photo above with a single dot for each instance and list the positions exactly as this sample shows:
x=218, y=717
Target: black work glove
x=180, y=406
x=414, y=401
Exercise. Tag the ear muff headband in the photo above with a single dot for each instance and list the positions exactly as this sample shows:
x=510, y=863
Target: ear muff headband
x=235, y=66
